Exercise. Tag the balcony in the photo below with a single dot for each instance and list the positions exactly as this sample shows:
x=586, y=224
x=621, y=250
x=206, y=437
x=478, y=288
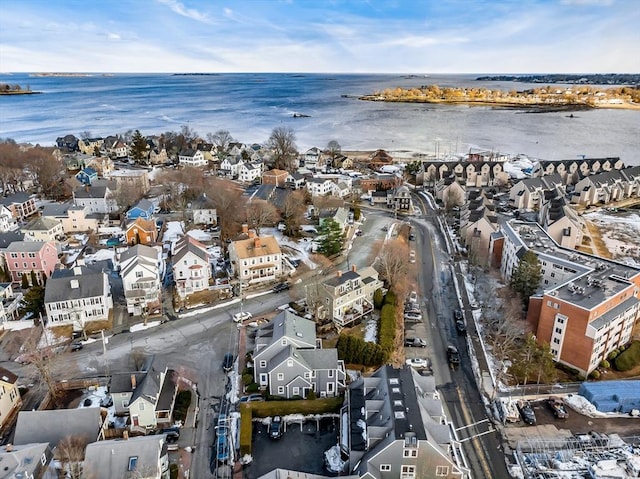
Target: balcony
x=352, y=313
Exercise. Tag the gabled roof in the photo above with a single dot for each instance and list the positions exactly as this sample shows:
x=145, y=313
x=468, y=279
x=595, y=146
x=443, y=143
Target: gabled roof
x=86, y=284
x=144, y=225
x=7, y=376
x=26, y=246
x=144, y=205
x=9, y=237
x=57, y=209
x=139, y=251
x=23, y=460
x=51, y=426
x=91, y=192
x=112, y=458
x=256, y=247
x=188, y=244
x=41, y=224
x=319, y=358
x=292, y=326
x=16, y=198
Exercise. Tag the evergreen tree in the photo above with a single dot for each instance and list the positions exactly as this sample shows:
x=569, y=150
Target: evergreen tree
x=526, y=277
x=33, y=300
x=378, y=298
x=332, y=237
x=139, y=147
x=34, y=279
x=25, y=281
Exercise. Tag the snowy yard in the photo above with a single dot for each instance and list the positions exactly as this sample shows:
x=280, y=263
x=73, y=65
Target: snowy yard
x=620, y=233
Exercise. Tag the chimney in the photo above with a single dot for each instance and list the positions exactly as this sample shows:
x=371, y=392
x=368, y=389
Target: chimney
x=257, y=243
x=125, y=434
x=74, y=284
x=77, y=270
x=245, y=228
x=339, y=274
x=353, y=268
x=133, y=381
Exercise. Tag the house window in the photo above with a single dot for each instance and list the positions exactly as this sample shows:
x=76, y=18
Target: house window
x=125, y=404
x=141, y=406
x=289, y=362
x=43, y=460
x=408, y=472
x=385, y=467
x=280, y=376
x=409, y=453
x=296, y=391
x=133, y=463
x=263, y=364
x=280, y=389
x=330, y=373
x=442, y=470
x=284, y=341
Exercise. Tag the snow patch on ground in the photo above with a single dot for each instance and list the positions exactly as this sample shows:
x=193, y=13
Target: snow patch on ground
x=199, y=235
x=333, y=460
x=620, y=233
x=583, y=406
x=100, y=255
x=174, y=230
x=142, y=326
x=371, y=331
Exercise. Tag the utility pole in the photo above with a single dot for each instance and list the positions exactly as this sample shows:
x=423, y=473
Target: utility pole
x=104, y=352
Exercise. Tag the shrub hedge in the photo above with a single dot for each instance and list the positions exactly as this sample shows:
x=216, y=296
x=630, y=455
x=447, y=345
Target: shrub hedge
x=387, y=328
x=629, y=358
x=355, y=350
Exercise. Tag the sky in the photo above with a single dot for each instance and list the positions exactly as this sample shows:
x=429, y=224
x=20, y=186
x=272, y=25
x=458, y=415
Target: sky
x=338, y=36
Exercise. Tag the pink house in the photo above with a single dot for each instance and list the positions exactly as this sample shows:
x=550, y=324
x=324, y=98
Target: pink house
x=41, y=257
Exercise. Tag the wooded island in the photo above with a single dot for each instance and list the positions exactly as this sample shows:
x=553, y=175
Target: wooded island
x=545, y=98
x=6, y=89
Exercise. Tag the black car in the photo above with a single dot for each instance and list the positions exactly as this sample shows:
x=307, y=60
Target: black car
x=275, y=430
x=76, y=346
x=227, y=362
x=457, y=315
x=526, y=411
x=461, y=327
x=453, y=356
x=280, y=287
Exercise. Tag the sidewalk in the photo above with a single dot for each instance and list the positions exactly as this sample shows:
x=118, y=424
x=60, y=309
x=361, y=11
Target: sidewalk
x=187, y=440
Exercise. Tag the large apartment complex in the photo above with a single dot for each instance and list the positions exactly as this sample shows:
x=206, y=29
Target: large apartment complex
x=586, y=306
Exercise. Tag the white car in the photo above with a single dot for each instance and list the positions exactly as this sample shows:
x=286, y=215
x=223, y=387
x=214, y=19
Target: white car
x=412, y=257
x=413, y=297
x=418, y=363
x=243, y=316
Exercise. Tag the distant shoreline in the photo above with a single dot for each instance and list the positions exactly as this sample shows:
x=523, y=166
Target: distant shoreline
x=19, y=92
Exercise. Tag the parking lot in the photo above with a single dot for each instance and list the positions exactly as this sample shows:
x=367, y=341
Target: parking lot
x=300, y=449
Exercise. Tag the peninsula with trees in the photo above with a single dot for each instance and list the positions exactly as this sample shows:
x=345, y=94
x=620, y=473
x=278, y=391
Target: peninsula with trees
x=6, y=89
x=545, y=98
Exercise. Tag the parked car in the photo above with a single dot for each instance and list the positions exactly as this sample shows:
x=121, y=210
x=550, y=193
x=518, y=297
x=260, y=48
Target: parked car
x=557, y=407
x=526, y=411
x=457, y=314
x=453, y=355
x=413, y=297
x=413, y=316
x=222, y=447
x=275, y=430
x=415, y=342
x=359, y=233
x=76, y=346
x=252, y=398
x=243, y=316
x=412, y=256
x=412, y=237
x=418, y=363
x=280, y=287
x=227, y=362
x=461, y=327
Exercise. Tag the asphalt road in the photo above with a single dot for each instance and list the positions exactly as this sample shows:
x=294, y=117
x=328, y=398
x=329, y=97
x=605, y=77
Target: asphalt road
x=465, y=408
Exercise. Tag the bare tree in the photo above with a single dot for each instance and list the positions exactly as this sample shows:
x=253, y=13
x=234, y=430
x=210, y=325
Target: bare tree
x=126, y=195
x=85, y=134
x=292, y=210
x=221, y=139
x=43, y=359
x=453, y=198
x=260, y=213
x=230, y=204
x=392, y=263
x=313, y=288
x=327, y=202
x=70, y=453
x=333, y=150
x=283, y=145
x=47, y=170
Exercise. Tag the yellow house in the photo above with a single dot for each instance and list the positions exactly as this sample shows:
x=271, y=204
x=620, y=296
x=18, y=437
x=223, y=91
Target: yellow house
x=10, y=400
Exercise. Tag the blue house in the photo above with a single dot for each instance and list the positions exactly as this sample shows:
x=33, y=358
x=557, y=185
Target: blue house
x=87, y=176
x=143, y=209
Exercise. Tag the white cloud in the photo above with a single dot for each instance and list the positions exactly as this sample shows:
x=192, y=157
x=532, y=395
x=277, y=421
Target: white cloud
x=113, y=36
x=192, y=13
x=597, y=3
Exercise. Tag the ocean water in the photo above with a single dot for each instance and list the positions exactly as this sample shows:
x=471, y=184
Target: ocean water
x=250, y=105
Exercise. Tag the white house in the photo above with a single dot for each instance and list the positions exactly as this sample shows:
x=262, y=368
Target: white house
x=204, y=211
x=322, y=187
x=77, y=296
x=96, y=199
x=193, y=158
x=249, y=172
x=7, y=221
x=141, y=281
x=191, y=267
x=230, y=166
